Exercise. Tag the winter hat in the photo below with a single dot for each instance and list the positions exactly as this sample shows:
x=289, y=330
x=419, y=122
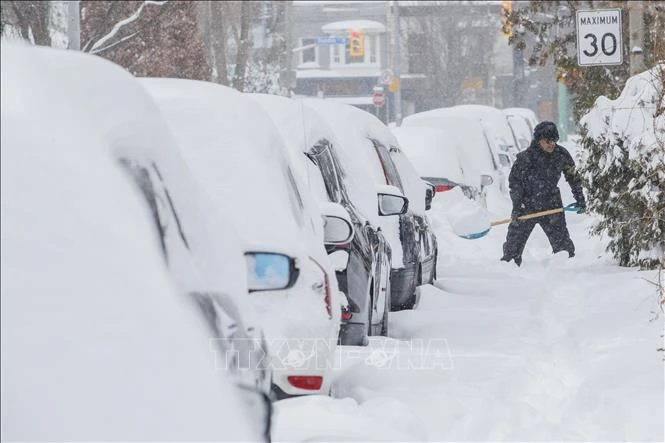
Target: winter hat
x=546, y=130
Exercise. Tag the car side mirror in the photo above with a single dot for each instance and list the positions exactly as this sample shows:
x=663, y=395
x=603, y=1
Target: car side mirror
x=337, y=225
x=486, y=180
x=269, y=271
x=391, y=203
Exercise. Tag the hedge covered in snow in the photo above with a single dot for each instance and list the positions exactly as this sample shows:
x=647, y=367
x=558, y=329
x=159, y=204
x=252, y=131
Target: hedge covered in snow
x=623, y=165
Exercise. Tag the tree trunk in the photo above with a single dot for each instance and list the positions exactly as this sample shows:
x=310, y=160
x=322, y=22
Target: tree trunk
x=244, y=46
x=218, y=41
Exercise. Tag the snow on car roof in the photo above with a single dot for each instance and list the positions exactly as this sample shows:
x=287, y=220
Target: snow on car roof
x=97, y=344
x=231, y=145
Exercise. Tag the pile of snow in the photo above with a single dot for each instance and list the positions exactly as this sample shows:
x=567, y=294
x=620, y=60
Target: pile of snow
x=633, y=115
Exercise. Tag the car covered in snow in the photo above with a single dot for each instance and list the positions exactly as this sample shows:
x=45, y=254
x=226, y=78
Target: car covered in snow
x=98, y=341
x=366, y=142
x=435, y=157
x=234, y=150
x=364, y=267
x=477, y=155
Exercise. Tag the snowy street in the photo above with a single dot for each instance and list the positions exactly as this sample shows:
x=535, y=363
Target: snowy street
x=558, y=349
x=332, y=221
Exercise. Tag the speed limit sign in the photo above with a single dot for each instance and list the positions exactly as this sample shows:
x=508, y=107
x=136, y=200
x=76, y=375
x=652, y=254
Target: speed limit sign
x=599, y=39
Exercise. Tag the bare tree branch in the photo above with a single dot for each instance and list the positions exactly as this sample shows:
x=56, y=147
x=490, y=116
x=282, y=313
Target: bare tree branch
x=118, y=26
x=124, y=39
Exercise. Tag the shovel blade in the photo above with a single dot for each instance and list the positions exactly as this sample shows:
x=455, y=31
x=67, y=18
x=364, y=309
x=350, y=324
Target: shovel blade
x=475, y=235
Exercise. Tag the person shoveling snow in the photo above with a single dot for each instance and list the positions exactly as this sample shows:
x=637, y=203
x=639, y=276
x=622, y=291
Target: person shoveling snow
x=533, y=187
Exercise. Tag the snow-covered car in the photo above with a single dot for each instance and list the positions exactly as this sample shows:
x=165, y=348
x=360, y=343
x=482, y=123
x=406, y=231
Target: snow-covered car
x=525, y=113
x=366, y=256
x=234, y=150
x=366, y=141
x=98, y=343
x=434, y=154
x=478, y=156
x=420, y=200
x=199, y=245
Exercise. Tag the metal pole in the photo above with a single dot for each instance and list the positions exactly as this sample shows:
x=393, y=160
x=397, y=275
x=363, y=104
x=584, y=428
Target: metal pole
x=74, y=25
x=636, y=26
x=397, y=58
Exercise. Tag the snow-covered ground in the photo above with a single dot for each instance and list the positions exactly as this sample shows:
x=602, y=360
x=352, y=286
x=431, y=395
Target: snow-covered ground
x=559, y=349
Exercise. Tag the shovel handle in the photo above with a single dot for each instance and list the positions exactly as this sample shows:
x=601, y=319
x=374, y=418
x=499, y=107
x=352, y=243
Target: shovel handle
x=528, y=216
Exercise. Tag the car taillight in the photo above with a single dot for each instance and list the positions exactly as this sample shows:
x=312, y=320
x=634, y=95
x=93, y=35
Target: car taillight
x=312, y=382
x=326, y=288
x=346, y=314
x=443, y=188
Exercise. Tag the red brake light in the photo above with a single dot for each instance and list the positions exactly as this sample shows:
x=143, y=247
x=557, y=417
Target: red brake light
x=313, y=382
x=443, y=188
x=346, y=315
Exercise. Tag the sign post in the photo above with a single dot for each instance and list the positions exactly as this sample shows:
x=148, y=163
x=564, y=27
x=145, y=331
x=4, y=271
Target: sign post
x=599, y=37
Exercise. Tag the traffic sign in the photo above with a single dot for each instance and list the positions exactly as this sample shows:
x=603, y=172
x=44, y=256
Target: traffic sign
x=328, y=40
x=599, y=37
x=379, y=99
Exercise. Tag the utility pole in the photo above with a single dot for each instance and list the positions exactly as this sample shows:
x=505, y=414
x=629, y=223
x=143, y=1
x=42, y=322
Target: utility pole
x=74, y=25
x=636, y=27
x=397, y=59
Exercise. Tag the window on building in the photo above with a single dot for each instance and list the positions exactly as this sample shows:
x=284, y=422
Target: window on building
x=311, y=53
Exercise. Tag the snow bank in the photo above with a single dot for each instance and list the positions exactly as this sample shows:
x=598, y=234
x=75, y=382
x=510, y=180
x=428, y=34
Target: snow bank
x=633, y=114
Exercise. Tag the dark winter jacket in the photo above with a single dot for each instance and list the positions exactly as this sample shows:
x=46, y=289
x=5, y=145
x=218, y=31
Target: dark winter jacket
x=534, y=177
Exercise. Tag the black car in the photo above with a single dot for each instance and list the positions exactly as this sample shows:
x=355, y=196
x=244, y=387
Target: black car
x=419, y=246
x=365, y=281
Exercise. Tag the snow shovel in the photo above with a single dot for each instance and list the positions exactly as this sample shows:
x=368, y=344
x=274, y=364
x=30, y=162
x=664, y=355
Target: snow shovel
x=473, y=236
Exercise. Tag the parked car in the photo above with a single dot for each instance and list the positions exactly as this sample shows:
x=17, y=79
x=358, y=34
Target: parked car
x=366, y=141
x=365, y=277
x=420, y=198
x=198, y=243
x=98, y=343
x=478, y=156
x=434, y=155
x=234, y=150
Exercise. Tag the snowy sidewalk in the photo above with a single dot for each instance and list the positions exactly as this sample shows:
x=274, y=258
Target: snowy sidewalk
x=559, y=350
